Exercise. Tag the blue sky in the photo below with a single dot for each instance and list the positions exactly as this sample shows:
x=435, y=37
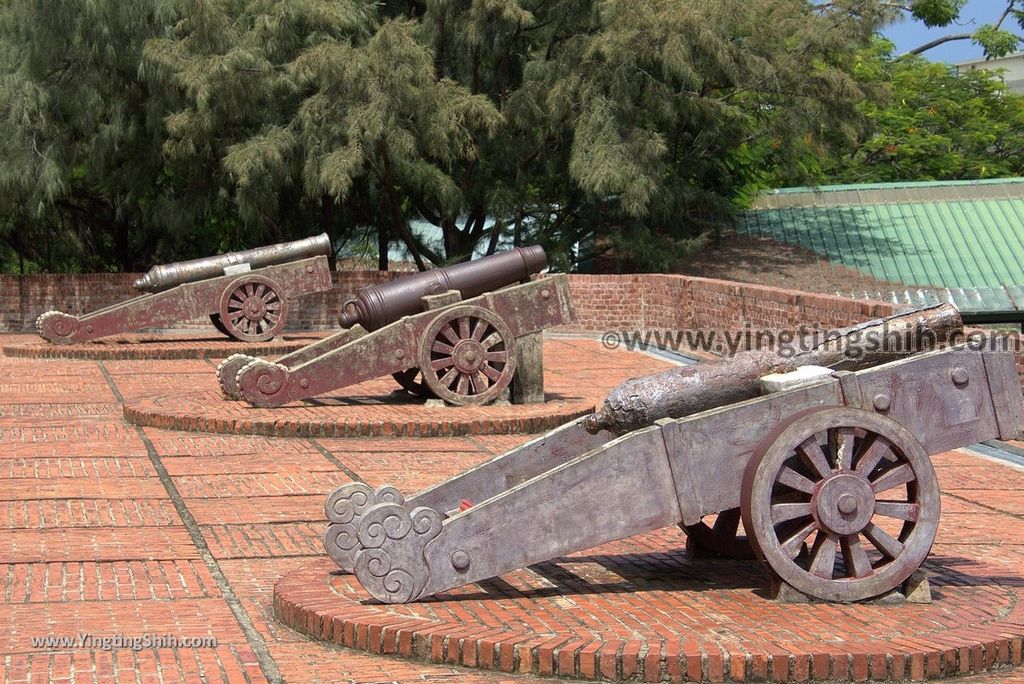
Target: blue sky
x=910, y=34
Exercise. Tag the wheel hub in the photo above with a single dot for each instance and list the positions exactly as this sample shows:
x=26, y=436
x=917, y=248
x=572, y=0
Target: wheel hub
x=254, y=308
x=844, y=504
x=468, y=356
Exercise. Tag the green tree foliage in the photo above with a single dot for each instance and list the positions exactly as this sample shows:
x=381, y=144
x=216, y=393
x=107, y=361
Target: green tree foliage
x=554, y=117
x=141, y=130
x=935, y=124
x=80, y=140
x=231, y=103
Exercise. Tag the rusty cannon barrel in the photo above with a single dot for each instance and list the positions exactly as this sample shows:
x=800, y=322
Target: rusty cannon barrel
x=166, y=276
x=679, y=392
x=377, y=305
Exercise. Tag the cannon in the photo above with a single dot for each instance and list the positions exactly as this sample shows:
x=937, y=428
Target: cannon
x=452, y=333
x=830, y=473
x=377, y=305
x=245, y=294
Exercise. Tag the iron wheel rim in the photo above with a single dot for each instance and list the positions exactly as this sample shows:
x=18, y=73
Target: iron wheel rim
x=252, y=309
x=835, y=479
x=467, y=356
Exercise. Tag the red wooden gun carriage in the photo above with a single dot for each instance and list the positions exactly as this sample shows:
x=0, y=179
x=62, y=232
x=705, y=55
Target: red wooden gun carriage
x=245, y=294
x=456, y=333
x=832, y=479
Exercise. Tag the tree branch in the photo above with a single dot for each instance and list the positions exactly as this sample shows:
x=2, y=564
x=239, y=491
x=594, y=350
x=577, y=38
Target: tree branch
x=425, y=211
x=938, y=41
x=1006, y=13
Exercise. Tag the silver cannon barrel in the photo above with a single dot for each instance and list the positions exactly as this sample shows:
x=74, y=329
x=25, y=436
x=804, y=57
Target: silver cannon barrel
x=166, y=276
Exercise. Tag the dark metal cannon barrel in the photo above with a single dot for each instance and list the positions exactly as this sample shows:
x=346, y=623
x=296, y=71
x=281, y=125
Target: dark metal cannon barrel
x=166, y=276
x=679, y=392
x=378, y=305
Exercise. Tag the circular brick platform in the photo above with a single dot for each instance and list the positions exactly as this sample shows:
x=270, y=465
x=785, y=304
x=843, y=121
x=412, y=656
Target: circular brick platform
x=156, y=346
x=380, y=412
x=639, y=610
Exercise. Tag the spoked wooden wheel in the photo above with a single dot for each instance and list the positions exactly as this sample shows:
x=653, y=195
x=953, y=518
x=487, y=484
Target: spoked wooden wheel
x=253, y=309
x=722, y=538
x=411, y=381
x=467, y=356
x=857, y=488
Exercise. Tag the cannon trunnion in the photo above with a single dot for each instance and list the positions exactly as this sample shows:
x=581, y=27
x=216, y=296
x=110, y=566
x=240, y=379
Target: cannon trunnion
x=245, y=294
x=833, y=481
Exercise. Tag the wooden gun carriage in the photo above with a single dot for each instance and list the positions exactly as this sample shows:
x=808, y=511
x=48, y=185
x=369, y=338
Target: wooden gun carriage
x=833, y=481
x=455, y=333
x=245, y=294
x=465, y=352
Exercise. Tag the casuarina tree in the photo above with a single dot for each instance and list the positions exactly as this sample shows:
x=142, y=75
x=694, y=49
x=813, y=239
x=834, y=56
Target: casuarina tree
x=143, y=129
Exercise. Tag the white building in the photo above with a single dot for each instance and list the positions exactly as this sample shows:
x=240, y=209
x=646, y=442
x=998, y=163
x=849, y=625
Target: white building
x=1013, y=64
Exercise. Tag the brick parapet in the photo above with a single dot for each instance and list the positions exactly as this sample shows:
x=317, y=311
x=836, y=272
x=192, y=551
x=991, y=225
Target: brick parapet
x=603, y=302
x=634, y=302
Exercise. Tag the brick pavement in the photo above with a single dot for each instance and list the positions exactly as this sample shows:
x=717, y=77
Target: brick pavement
x=636, y=607
x=113, y=529
x=141, y=346
x=192, y=401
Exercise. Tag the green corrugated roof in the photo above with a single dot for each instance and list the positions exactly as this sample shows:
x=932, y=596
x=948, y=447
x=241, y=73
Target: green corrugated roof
x=916, y=185
x=961, y=235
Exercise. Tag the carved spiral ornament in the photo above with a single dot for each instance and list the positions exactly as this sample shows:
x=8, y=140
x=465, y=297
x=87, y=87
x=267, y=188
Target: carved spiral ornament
x=260, y=379
x=841, y=504
x=344, y=508
x=57, y=327
x=391, y=564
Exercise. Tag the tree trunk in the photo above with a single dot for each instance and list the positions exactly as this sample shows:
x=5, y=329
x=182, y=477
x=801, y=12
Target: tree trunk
x=492, y=244
x=383, y=244
x=398, y=223
x=122, y=246
x=450, y=233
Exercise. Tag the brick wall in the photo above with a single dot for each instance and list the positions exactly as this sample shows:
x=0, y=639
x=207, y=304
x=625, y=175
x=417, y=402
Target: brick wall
x=674, y=302
x=602, y=303
x=23, y=298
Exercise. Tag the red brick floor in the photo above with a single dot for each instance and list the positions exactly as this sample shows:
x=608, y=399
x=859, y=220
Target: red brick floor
x=139, y=346
x=110, y=529
x=192, y=400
